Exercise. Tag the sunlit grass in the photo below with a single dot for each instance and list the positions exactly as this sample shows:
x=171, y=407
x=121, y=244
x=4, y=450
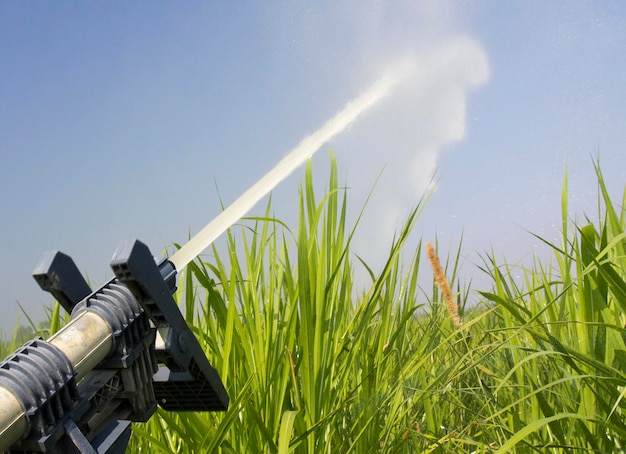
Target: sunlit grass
x=313, y=364
x=310, y=368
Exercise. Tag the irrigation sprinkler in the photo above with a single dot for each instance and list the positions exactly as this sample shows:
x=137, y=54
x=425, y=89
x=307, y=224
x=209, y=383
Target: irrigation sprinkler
x=127, y=348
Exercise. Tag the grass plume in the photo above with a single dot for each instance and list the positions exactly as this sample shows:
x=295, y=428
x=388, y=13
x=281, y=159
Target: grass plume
x=444, y=286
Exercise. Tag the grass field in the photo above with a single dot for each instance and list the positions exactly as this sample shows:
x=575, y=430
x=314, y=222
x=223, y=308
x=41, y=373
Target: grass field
x=313, y=364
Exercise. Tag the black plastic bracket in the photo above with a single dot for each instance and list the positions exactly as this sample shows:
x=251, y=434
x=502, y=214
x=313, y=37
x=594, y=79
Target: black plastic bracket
x=57, y=274
x=156, y=359
x=185, y=380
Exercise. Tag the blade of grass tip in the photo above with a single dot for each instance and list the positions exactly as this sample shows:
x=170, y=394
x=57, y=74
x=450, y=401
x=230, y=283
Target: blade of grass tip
x=16, y=331
x=30, y=320
x=564, y=208
x=534, y=426
x=55, y=318
x=286, y=430
x=369, y=271
x=613, y=218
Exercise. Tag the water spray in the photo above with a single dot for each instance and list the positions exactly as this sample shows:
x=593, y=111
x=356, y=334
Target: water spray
x=296, y=157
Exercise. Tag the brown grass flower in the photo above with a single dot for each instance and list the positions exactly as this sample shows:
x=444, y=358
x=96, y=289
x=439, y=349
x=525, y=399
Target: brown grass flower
x=442, y=282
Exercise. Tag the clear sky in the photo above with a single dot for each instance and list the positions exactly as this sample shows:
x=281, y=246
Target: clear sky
x=118, y=120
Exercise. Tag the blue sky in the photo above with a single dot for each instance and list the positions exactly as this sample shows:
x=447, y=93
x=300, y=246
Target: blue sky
x=119, y=120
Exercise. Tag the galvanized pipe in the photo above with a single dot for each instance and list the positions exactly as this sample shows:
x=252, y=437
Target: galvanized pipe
x=85, y=341
x=13, y=422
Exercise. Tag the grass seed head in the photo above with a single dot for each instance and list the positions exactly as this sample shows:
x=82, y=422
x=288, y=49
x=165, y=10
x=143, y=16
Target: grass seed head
x=442, y=282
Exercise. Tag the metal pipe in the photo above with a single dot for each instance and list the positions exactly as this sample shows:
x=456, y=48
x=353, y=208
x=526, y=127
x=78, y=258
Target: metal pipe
x=85, y=341
x=13, y=422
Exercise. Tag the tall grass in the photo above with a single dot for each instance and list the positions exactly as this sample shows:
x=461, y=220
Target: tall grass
x=313, y=364
x=307, y=366
x=312, y=368
x=564, y=335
